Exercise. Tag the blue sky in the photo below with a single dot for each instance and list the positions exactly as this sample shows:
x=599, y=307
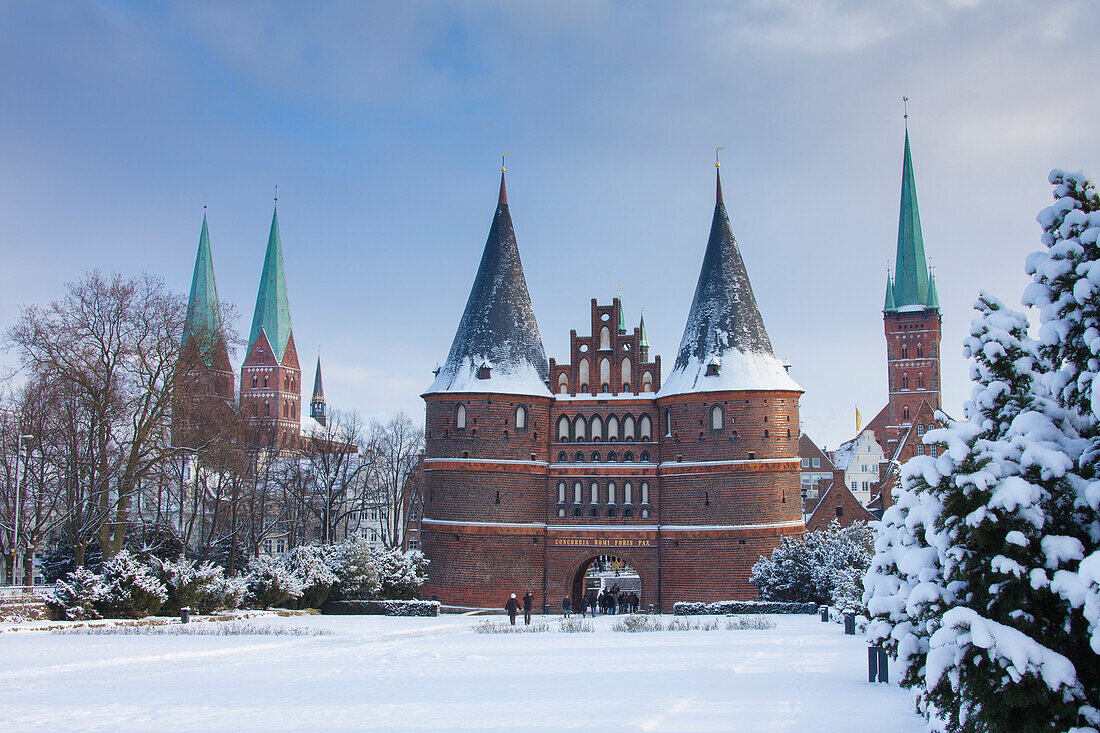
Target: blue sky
x=382, y=125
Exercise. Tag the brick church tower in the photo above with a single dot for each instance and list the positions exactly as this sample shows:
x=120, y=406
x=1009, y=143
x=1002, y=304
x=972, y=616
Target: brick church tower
x=204, y=345
x=729, y=436
x=911, y=318
x=487, y=422
x=271, y=379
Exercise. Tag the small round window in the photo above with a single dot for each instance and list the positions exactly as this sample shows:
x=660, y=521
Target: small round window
x=626, y=347
x=584, y=348
x=605, y=317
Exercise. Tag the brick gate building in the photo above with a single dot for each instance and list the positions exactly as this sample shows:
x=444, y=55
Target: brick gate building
x=535, y=468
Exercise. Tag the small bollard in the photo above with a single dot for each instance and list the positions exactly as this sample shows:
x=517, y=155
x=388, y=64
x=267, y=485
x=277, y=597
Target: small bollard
x=546, y=609
x=825, y=613
x=650, y=608
x=185, y=615
x=877, y=664
x=850, y=624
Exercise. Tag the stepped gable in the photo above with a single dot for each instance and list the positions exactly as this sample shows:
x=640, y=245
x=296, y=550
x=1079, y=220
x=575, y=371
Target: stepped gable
x=725, y=345
x=497, y=347
x=272, y=314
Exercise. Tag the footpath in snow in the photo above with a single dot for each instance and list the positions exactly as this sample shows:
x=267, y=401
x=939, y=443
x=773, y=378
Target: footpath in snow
x=436, y=674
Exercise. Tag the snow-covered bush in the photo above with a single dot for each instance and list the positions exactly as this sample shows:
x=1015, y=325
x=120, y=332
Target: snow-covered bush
x=309, y=565
x=575, y=625
x=188, y=585
x=984, y=581
x=382, y=608
x=356, y=571
x=76, y=597
x=719, y=608
x=635, y=624
x=129, y=588
x=824, y=567
x=269, y=583
x=225, y=594
x=400, y=574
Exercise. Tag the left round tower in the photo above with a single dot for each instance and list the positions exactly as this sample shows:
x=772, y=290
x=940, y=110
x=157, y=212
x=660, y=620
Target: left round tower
x=486, y=433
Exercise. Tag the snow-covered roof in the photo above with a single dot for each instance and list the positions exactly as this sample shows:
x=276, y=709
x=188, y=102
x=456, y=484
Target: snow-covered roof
x=724, y=329
x=498, y=328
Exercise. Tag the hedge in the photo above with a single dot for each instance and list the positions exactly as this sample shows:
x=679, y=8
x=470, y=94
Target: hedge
x=381, y=608
x=690, y=608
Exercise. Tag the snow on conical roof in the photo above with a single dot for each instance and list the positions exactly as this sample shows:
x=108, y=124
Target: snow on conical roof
x=497, y=347
x=725, y=345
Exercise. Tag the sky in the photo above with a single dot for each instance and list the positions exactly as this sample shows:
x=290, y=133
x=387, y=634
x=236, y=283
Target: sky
x=383, y=124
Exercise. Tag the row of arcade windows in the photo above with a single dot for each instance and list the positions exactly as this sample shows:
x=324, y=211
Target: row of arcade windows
x=626, y=374
x=288, y=382
x=611, y=429
x=905, y=351
x=610, y=496
x=612, y=457
x=520, y=417
x=290, y=410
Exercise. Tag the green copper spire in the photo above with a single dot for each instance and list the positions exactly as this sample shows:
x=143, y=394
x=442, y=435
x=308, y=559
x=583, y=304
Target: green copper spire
x=643, y=342
x=622, y=318
x=933, y=300
x=889, y=306
x=204, y=313
x=272, y=314
x=911, y=269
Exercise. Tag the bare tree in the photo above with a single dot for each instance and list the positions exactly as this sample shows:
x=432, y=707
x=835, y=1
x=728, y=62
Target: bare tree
x=393, y=451
x=111, y=346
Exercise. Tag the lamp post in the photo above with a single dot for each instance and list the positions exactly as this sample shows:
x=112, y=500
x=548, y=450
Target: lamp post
x=18, y=505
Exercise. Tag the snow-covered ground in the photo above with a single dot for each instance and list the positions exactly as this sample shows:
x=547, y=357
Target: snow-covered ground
x=374, y=673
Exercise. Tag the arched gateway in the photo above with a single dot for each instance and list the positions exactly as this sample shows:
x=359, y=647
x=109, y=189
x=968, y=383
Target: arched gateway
x=689, y=478
x=602, y=572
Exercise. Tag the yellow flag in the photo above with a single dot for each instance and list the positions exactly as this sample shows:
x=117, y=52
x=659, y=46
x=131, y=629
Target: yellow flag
x=859, y=420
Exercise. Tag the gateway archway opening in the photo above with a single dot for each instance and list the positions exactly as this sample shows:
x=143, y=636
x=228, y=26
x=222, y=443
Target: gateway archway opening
x=610, y=579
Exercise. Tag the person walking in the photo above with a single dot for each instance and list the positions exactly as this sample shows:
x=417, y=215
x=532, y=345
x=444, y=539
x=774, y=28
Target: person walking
x=565, y=603
x=512, y=607
x=528, y=602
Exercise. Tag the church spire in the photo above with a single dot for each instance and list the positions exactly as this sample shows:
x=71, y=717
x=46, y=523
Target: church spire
x=911, y=268
x=725, y=345
x=272, y=314
x=317, y=404
x=889, y=305
x=497, y=347
x=204, y=313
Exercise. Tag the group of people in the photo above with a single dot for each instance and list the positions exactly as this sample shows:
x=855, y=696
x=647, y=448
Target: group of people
x=610, y=601
x=513, y=607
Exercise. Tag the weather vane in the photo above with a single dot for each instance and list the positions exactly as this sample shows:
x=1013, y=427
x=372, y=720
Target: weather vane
x=502, y=161
x=716, y=163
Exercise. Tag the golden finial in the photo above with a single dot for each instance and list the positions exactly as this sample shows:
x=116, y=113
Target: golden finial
x=502, y=162
x=716, y=163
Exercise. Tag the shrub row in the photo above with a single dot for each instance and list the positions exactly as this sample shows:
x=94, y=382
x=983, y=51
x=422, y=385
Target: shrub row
x=691, y=608
x=381, y=608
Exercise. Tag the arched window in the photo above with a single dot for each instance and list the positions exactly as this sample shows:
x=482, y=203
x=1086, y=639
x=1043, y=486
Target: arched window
x=644, y=458
x=253, y=410
x=668, y=422
x=286, y=381
x=563, y=429
x=561, y=512
x=265, y=381
x=267, y=408
x=594, y=492
x=605, y=373
x=605, y=338
x=645, y=493
x=521, y=418
x=624, y=371
x=580, y=429
x=905, y=351
x=582, y=368
x=596, y=429
x=905, y=381
x=611, y=511
x=563, y=457
x=460, y=416
x=767, y=434
x=628, y=493
x=645, y=427
x=920, y=380
x=628, y=513
x=579, y=458
x=577, y=492
x=286, y=411
x=905, y=413
x=595, y=457
x=920, y=430
x=612, y=428
x=628, y=457
x=920, y=350
x=577, y=512
x=593, y=512
x=561, y=492
x=254, y=381
x=628, y=428
x=645, y=514
x=647, y=381
x=611, y=457
x=563, y=383
x=717, y=418
x=610, y=492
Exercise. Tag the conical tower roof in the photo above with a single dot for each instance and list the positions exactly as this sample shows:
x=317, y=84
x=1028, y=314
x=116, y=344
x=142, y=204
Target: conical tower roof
x=272, y=314
x=204, y=313
x=889, y=304
x=724, y=331
x=497, y=347
x=318, y=386
x=911, y=268
x=933, y=299
x=643, y=342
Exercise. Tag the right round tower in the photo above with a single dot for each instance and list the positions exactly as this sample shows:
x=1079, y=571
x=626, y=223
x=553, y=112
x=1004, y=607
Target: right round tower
x=728, y=419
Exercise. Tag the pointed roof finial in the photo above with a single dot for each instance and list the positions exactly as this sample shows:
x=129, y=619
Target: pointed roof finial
x=276, y=193
x=502, y=199
x=718, y=178
x=905, y=107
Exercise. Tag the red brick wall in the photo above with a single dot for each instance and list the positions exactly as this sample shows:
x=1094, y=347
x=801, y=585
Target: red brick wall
x=283, y=389
x=912, y=351
x=747, y=416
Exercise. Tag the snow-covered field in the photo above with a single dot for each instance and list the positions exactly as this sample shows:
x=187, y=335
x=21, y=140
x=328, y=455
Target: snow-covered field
x=374, y=673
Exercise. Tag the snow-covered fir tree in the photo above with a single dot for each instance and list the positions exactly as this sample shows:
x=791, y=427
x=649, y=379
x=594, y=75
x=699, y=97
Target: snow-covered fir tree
x=984, y=582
